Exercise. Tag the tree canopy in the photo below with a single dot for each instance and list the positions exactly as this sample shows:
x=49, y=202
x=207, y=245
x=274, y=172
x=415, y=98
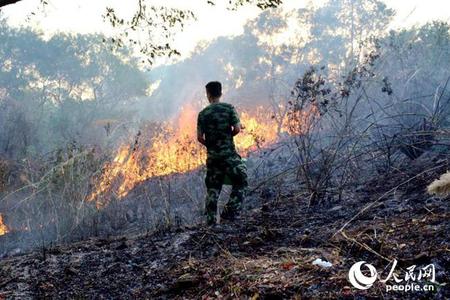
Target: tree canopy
x=157, y=23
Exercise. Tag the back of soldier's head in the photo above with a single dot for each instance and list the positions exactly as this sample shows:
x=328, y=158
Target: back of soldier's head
x=214, y=89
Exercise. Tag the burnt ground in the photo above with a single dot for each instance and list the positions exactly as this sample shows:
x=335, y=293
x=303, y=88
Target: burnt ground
x=266, y=254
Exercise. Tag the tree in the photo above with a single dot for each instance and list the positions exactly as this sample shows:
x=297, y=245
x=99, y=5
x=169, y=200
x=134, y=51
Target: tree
x=70, y=90
x=158, y=23
x=261, y=65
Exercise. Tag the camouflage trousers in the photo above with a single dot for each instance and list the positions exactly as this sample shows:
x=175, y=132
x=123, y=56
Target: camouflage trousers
x=216, y=169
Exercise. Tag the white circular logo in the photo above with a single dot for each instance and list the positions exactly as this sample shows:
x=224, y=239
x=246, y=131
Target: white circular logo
x=358, y=279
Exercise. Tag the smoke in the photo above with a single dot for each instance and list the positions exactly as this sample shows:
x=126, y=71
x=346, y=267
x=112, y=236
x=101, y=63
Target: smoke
x=67, y=111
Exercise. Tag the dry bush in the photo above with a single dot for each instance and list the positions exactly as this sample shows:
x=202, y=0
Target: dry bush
x=367, y=125
x=52, y=208
x=327, y=143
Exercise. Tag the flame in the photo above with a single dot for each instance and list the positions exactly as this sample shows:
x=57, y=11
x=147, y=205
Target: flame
x=173, y=150
x=176, y=150
x=259, y=131
x=3, y=228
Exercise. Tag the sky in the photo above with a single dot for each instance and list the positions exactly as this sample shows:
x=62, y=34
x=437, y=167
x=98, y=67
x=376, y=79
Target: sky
x=85, y=16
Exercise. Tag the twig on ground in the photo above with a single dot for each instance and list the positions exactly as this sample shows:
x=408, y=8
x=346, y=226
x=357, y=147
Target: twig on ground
x=370, y=205
x=363, y=245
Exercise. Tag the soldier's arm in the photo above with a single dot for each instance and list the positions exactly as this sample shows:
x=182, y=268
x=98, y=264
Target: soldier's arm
x=200, y=133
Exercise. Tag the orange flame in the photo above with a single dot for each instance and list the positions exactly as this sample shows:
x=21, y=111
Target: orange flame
x=3, y=228
x=260, y=131
x=173, y=150
x=176, y=150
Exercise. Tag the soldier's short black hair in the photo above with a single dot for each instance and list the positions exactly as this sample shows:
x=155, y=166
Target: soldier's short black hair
x=214, y=88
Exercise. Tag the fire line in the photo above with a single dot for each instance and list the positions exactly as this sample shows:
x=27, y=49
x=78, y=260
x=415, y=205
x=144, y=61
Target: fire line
x=175, y=150
x=3, y=228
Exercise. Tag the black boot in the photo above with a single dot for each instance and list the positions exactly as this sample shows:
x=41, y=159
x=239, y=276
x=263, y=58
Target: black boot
x=229, y=213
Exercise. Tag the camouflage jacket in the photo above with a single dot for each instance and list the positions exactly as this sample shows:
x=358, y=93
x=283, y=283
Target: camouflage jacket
x=215, y=121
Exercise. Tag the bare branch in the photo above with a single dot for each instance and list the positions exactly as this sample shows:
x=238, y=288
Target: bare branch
x=8, y=2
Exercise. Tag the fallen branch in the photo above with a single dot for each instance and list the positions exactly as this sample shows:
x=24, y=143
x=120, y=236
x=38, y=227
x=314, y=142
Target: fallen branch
x=363, y=245
x=370, y=205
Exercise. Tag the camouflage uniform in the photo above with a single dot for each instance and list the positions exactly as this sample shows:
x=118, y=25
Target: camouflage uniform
x=215, y=122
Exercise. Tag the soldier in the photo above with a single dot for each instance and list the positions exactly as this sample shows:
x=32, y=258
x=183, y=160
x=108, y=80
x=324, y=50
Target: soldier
x=217, y=124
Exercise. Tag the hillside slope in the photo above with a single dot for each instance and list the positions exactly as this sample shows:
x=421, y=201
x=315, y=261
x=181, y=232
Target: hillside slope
x=267, y=253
